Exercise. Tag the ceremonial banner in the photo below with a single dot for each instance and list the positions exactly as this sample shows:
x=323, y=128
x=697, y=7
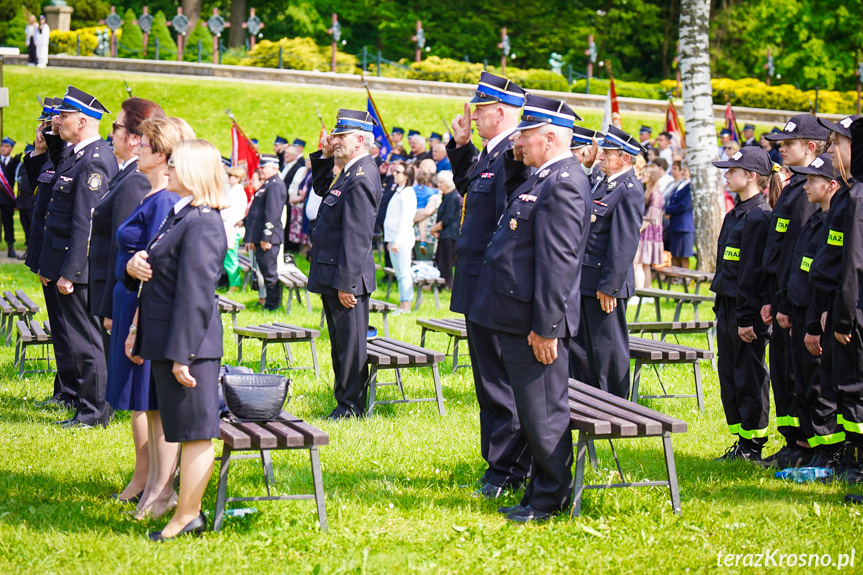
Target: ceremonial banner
x=6, y=186
x=672, y=123
x=611, y=117
x=731, y=123
x=243, y=153
x=378, y=131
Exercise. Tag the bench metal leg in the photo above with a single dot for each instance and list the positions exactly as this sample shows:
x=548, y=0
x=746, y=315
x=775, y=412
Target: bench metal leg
x=263, y=357
x=318, y=480
x=389, y=286
x=386, y=325
x=373, y=384
x=658, y=309
x=315, y=359
x=239, y=350
x=267, y=465
x=308, y=300
x=710, y=346
x=438, y=390
x=419, y=299
x=677, y=311
x=636, y=378
x=223, y=488
x=234, y=318
x=578, y=484
x=22, y=361
x=436, y=296
x=696, y=367
x=671, y=468
x=637, y=310
x=323, y=318
x=289, y=302
x=591, y=453
x=423, y=337
x=17, y=350
x=454, y=354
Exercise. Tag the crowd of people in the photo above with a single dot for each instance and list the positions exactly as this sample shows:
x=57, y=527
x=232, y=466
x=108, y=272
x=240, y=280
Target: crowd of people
x=552, y=229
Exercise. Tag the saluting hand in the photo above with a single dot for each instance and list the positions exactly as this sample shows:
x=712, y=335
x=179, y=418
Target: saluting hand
x=138, y=268
x=39, y=142
x=327, y=146
x=181, y=372
x=544, y=349
x=517, y=148
x=461, y=127
x=589, y=156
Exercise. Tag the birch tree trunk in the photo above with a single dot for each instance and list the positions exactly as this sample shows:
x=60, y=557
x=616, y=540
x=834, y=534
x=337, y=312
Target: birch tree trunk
x=708, y=205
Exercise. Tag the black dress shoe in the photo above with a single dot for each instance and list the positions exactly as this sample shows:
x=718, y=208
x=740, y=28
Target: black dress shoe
x=529, y=515
x=489, y=491
x=11, y=252
x=134, y=499
x=76, y=424
x=508, y=510
x=63, y=422
x=858, y=499
x=196, y=526
x=342, y=413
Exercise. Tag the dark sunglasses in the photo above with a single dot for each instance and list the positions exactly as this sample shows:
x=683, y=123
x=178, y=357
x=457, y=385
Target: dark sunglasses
x=115, y=126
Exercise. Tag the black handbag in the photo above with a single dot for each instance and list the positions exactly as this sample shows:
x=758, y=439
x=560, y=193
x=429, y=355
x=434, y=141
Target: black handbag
x=255, y=396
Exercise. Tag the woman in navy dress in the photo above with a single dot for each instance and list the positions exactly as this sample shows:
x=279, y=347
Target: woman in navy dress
x=129, y=385
x=681, y=227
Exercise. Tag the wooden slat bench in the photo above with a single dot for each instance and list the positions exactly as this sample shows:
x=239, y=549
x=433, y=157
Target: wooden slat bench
x=284, y=432
x=375, y=306
x=453, y=327
x=652, y=352
x=670, y=273
x=680, y=298
x=34, y=334
x=295, y=280
x=230, y=306
x=19, y=306
x=419, y=283
x=282, y=333
x=387, y=353
x=595, y=414
x=245, y=263
x=676, y=328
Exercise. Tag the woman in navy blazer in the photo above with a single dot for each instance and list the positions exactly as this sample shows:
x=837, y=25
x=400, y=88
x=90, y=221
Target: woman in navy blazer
x=179, y=324
x=681, y=227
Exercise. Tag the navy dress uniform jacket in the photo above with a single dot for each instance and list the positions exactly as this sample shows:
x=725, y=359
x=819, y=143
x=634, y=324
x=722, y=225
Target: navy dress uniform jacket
x=178, y=318
x=487, y=184
x=40, y=172
x=9, y=170
x=679, y=207
x=264, y=220
x=342, y=239
x=78, y=184
x=125, y=192
x=532, y=268
x=615, y=221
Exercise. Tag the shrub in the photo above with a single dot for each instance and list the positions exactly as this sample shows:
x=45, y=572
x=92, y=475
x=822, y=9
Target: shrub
x=298, y=54
x=67, y=42
x=537, y=79
x=159, y=31
x=439, y=69
x=190, y=54
x=15, y=34
x=753, y=93
x=623, y=88
x=132, y=45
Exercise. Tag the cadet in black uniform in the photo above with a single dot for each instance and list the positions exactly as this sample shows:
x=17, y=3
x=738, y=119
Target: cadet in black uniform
x=740, y=289
x=600, y=352
x=803, y=139
x=813, y=401
x=343, y=270
x=78, y=184
x=25, y=200
x=40, y=173
x=264, y=230
x=481, y=178
x=8, y=165
x=843, y=253
x=527, y=297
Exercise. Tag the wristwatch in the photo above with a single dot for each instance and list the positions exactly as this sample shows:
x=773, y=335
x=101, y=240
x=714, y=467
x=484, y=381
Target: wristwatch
x=133, y=329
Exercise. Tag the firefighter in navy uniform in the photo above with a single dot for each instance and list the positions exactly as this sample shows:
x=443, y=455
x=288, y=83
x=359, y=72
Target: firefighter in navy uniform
x=803, y=139
x=40, y=173
x=528, y=300
x=25, y=200
x=839, y=263
x=264, y=230
x=8, y=165
x=78, y=184
x=480, y=176
x=813, y=401
x=600, y=352
x=740, y=287
x=343, y=270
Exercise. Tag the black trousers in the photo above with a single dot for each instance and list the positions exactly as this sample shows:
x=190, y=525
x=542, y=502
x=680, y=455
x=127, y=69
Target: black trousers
x=823, y=394
x=65, y=382
x=502, y=443
x=541, y=401
x=848, y=379
x=743, y=378
x=806, y=376
x=782, y=376
x=26, y=217
x=91, y=371
x=445, y=260
x=599, y=353
x=348, y=328
x=7, y=217
x=269, y=266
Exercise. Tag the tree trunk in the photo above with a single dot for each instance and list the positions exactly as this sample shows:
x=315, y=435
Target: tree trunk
x=192, y=11
x=708, y=204
x=239, y=14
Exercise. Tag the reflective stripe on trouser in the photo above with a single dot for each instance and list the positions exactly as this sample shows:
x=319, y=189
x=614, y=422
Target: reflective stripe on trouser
x=782, y=373
x=743, y=377
x=806, y=375
x=822, y=395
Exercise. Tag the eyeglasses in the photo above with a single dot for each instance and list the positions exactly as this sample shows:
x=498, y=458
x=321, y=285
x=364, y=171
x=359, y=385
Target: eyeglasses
x=143, y=145
x=115, y=126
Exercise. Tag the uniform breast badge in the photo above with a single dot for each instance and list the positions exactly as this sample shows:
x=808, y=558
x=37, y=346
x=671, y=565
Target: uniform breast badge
x=94, y=182
x=513, y=223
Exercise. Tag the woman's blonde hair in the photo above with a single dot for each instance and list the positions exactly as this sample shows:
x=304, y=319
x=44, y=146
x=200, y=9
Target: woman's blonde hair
x=165, y=133
x=198, y=168
x=237, y=172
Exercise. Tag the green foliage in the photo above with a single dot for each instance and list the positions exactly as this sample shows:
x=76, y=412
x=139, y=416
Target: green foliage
x=89, y=12
x=200, y=32
x=67, y=42
x=15, y=35
x=445, y=70
x=624, y=89
x=299, y=54
x=536, y=79
x=132, y=44
x=756, y=94
x=11, y=25
x=159, y=31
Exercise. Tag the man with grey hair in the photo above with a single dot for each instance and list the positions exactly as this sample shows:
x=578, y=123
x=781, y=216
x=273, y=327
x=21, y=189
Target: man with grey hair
x=446, y=227
x=418, y=151
x=342, y=267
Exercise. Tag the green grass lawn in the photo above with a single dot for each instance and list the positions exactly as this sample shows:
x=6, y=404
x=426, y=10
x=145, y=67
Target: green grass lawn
x=398, y=489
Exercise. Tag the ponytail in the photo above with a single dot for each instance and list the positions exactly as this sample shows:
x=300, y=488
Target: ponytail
x=772, y=183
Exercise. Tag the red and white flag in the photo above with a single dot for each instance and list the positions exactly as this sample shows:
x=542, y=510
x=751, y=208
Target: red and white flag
x=611, y=117
x=672, y=123
x=243, y=153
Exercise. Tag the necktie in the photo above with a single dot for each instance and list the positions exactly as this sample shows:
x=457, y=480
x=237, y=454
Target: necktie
x=597, y=184
x=482, y=156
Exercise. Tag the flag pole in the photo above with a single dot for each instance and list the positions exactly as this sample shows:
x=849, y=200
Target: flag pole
x=377, y=112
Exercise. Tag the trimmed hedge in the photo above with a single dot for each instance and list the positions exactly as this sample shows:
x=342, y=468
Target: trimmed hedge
x=67, y=42
x=298, y=54
x=624, y=89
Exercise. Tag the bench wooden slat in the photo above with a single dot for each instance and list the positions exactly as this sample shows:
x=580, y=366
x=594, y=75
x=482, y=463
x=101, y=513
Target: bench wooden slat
x=589, y=425
x=26, y=335
x=288, y=437
x=377, y=352
x=412, y=355
x=618, y=426
x=447, y=326
x=302, y=331
x=38, y=331
x=671, y=351
x=431, y=354
x=313, y=435
x=675, y=295
x=261, y=437
x=47, y=325
x=25, y=299
x=13, y=301
x=226, y=304
x=379, y=306
x=644, y=425
x=670, y=326
x=670, y=424
x=235, y=438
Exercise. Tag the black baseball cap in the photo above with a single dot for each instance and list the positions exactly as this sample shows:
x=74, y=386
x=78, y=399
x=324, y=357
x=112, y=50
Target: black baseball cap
x=751, y=159
x=843, y=126
x=820, y=166
x=803, y=126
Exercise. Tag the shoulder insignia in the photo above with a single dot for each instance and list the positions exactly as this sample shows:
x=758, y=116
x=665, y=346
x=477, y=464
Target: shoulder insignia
x=495, y=155
x=611, y=186
x=347, y=174
x=360, y=171
x=94, y=181
x=96, y=155
x=205, y=210
x=564, y=174
x=527, y=198
x=81, y=153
